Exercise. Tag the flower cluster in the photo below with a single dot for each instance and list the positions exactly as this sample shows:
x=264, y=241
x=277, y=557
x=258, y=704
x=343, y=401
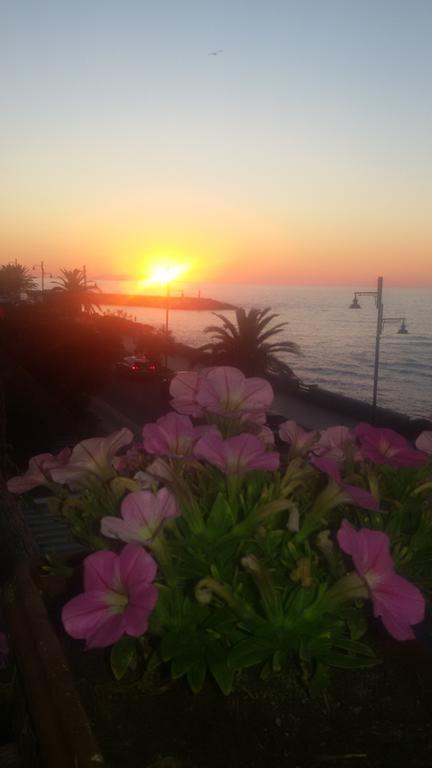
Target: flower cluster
x=231, y=546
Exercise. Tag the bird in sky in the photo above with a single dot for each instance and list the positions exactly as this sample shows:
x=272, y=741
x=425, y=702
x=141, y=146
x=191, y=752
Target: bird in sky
x=216, y=53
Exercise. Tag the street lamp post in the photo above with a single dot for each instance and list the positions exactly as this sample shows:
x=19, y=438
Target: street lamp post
x=166, y=322
x=167, y=302
x=381, y=321
x=42, y=269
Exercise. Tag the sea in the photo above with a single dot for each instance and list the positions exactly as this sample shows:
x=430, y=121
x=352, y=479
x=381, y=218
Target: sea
x=337, y=343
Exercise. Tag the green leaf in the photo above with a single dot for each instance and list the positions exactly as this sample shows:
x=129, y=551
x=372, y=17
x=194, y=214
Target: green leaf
x=182, y=663
x=223, y=674
x=357, y=626
x=350, y=662
x=196, y=675
x=169, y=645
x=354, y=647
x=249, y=652
x=220, y=519
x=123, y=657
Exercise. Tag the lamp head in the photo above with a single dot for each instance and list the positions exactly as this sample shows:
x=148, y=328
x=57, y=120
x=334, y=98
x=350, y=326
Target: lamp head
x=355, y=303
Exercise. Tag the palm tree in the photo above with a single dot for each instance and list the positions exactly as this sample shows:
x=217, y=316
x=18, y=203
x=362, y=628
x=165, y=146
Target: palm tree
x=247, y=345
x=74, y=282
x=15, y=279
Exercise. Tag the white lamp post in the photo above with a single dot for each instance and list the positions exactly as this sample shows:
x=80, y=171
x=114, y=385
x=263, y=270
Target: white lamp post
x=381, y=320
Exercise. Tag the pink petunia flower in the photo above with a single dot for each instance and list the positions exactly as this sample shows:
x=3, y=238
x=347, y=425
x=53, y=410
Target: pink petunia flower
x=337, y=443
x=226, y=390
x=424, y=442
x=183, y=389
x=39, y=471
x=172, y=435
x=299, y=439
x=395, y=600
x=384, y=446
x=118, y=599
x=353, y=493
x=266, y=436
x=142, y=515
x=92, y=458
x=235, y=455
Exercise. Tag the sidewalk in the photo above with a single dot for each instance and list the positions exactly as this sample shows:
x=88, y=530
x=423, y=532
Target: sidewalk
x=309, y=415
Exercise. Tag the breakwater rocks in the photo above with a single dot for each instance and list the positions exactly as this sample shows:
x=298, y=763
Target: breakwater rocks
x=173, y=302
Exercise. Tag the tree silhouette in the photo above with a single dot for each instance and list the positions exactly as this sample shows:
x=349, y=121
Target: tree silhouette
x=15, y=279
x=248, y=344
x=74, y=283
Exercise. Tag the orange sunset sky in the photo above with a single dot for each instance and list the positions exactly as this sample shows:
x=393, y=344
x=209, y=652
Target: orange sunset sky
x=300, y=153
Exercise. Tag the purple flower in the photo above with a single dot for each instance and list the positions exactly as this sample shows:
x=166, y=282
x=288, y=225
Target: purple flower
x=118, y=599
x=226, y=390
x=39, y=471
x=299, y=439
x=172, y=435
x=353, y=494
x=384, y=446
x=183, y=389
x=398, y=602
x=235, y=455
x=142, y=515
x=337, y=443
x=92, y=458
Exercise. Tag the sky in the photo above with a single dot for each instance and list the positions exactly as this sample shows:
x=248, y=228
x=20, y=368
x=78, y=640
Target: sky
x=301, y=153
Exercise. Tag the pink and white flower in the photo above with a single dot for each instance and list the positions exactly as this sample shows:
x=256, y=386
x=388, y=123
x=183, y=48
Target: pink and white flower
x=172, y=435
x=39, y=471
x=119, y=596
x=236, y=455
x=424, y=442
x=183, y=389
x=92, y=458
x=226, y=390
x=299, y=439
x=384, y=446
x=338, y=443
x=395, y=600
x=142, y=515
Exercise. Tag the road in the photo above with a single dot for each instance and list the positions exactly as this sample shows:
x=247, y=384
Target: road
x=140, y=400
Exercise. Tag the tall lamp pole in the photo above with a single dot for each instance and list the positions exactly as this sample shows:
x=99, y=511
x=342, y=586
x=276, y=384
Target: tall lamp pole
x=42, y=269
x=381, y=320
x=380, y=310
x=166, y=321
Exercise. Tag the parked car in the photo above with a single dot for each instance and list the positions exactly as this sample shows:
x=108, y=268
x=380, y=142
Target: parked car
x=137, y=367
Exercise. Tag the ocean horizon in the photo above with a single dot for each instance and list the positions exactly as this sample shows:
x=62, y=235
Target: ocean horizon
x=337, y=344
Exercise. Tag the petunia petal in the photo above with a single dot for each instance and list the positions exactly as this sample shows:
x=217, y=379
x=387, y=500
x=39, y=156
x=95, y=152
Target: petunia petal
x=100, y=571
x=424, y=442
x=108, y=632
x=141, y=604
x=124, y=530
x=136, y=566
x=82, y=615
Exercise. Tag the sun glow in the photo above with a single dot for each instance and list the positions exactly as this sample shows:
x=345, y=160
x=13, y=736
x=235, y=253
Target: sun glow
x=165, y=273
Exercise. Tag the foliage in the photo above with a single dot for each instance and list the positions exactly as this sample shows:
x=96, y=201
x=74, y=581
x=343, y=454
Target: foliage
x=73, y=282
x=249, y=345
x=280, y=566
x=15, y=279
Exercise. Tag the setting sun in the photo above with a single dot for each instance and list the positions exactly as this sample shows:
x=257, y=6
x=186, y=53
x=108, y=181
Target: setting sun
x=165, y=273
